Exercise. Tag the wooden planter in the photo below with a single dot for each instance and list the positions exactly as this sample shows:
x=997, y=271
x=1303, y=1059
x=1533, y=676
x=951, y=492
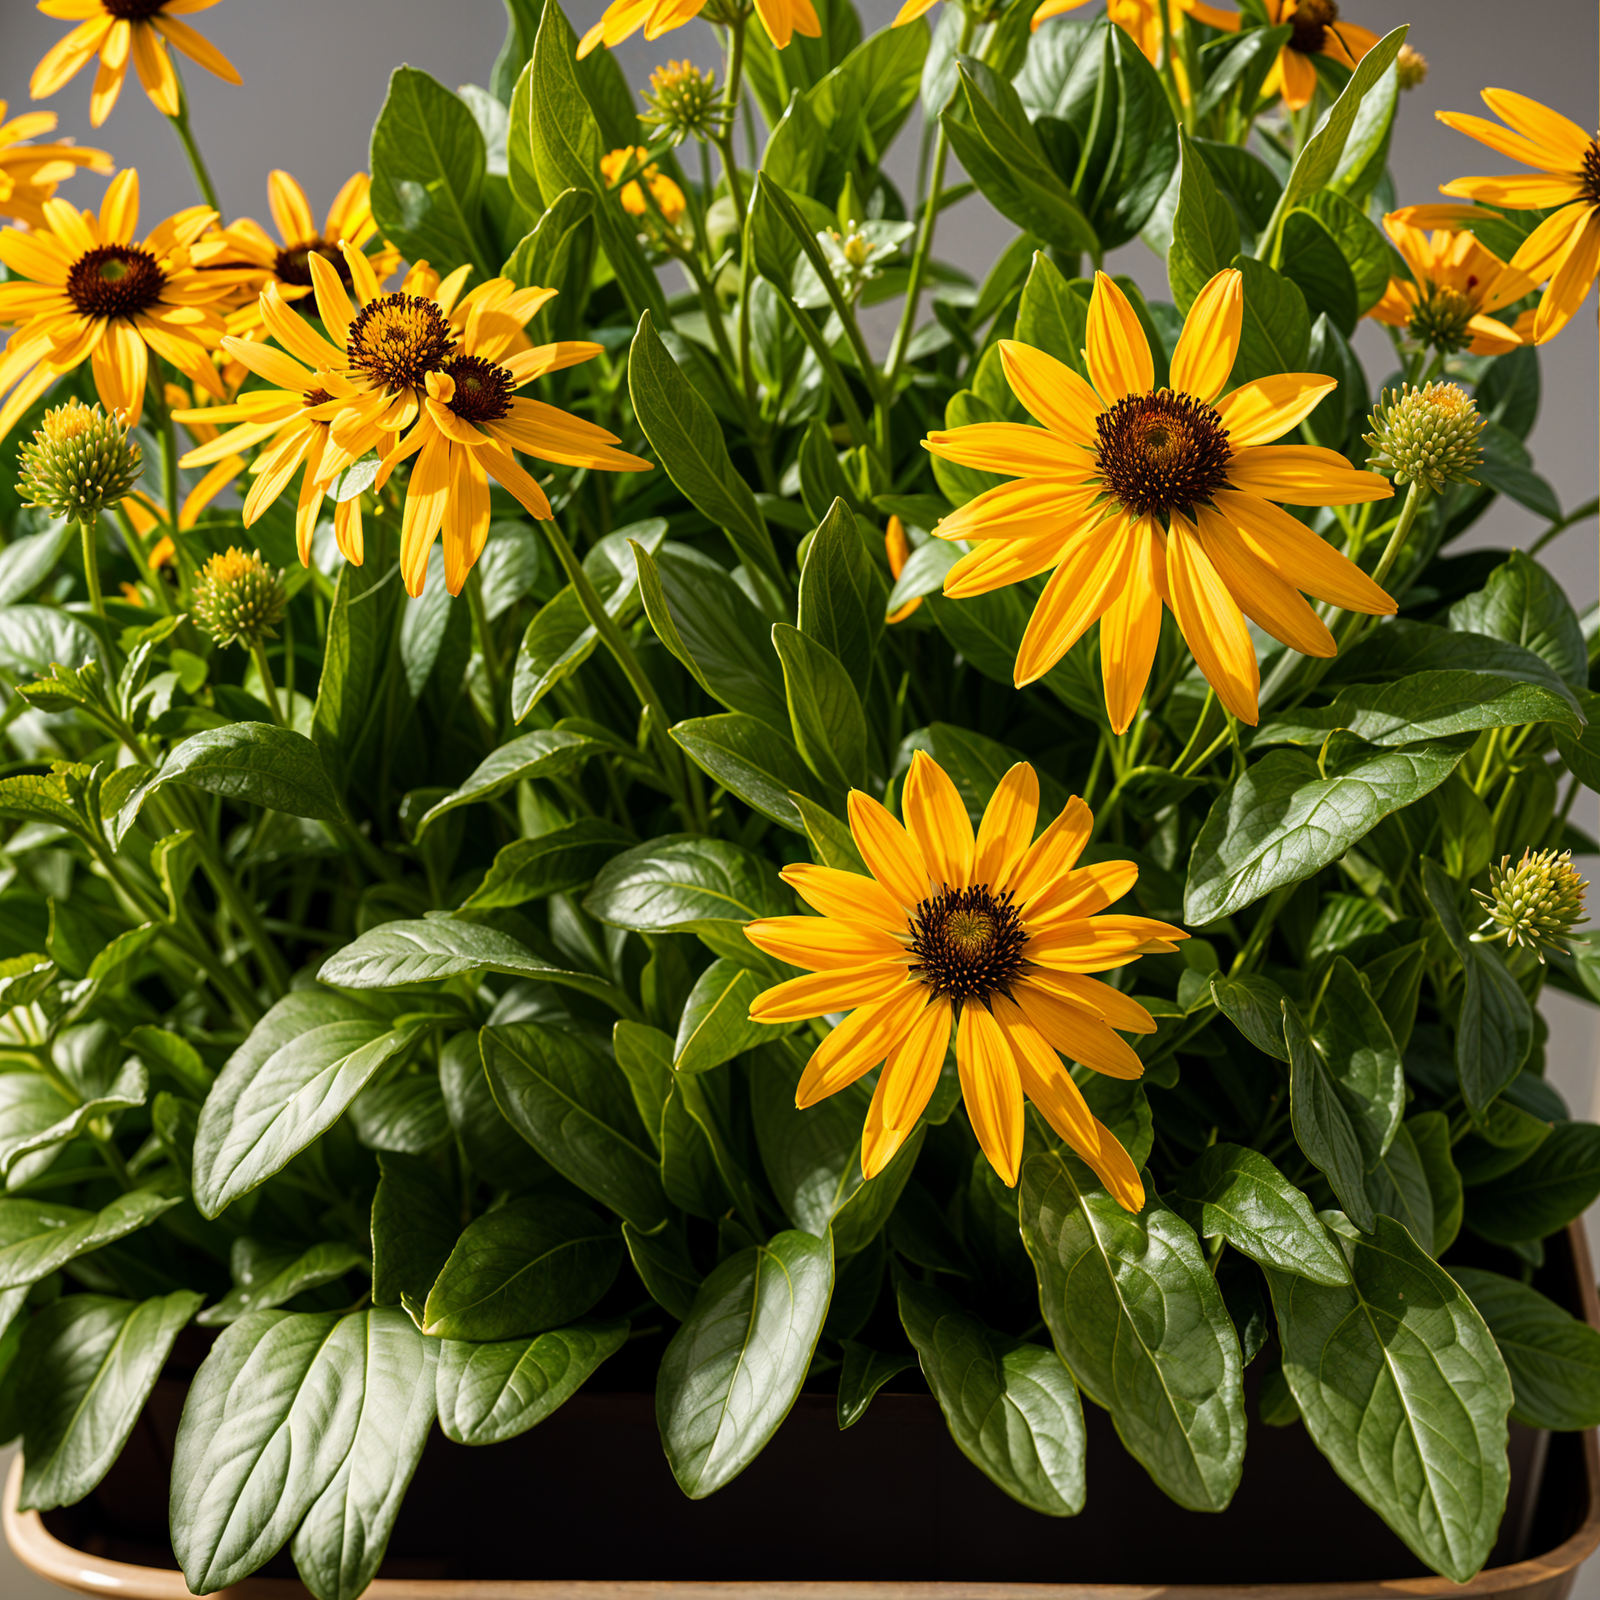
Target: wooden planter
x=889, y=1511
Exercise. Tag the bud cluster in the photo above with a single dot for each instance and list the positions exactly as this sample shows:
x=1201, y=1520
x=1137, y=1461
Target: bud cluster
x=1428, y=436
x=1535, y=903
x=682, y=102
x=79, y=462
x=239, y=598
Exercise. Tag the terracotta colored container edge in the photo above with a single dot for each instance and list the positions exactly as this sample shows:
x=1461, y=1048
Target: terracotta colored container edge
x=1545, y=1577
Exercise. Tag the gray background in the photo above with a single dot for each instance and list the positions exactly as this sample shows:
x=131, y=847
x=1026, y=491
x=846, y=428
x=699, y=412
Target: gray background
x=314, y=77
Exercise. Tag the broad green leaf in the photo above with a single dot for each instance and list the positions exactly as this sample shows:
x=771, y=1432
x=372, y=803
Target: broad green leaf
x=130, y=1087
x=1403, y=1391
x=38, y=1236
x=1494, y=1027
x=286, y=1085
x=1276, y=333
x=428, y=162
x=830, y=727
x=322, y=1263
x=716, y=1026
x=1364, y=248
x=841, y=602
x=85, y=1369
x=1324, y=1115
x=751, y=760
x=31, y=557
x=553, y=863
x=415, y=1222
x=686, y=437
x=35, y=638
x=1011, y=1407
x=1053, y=316
x=406, y=1114
x=493, y=1148
x=1507, y=468
x=544, y=753
x=1254, y=1005
x=1239, y=1195
x=1398, y=1187
x=1553, y=1358
x=733, y=1370
x=1240, y=64
x=1312, y=260
x=1402, y=649
x=645, y=1056
x=1430, y=1137
x=1579, y=748
x=1524, y=605
x=664, y=1266
x=521, y=1269
x=557, y=254
x=1139, y=1321
x=574, y=1107
x=1205, y=231
x=490, y=1392
x=1282, y=820
x=1558, y=1181
x=352, y=656
x=862, y=1374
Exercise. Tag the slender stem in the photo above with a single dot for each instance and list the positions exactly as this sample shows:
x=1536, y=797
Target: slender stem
x=919, y=255
x=491, y=661
x=91, y=565
x=197, y=164
x=1415, y=499
x=730, y=112
x=258, y=653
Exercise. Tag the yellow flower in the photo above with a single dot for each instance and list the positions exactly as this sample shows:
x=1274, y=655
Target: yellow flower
x=1139, y=19
x=472, y=420
x=623, y=18
x=1135, y=496
x=29, y=173
x=667, y=195
x=1318, y=31
x=1564, y=248
x=83, y=290
x=1455, y=283
x=247, y=243
x=898, y=550
x=995, y=936
x=116, y=30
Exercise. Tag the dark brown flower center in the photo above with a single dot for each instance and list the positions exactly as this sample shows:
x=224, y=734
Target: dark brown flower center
x=294, y=266
x=968, y=943
x=398, y=339
x=483, y=389
x=1311, y=21
x=1591, y=172
x=115, y=280
x=1162, y=451
x=315, y=397
x=133, y=10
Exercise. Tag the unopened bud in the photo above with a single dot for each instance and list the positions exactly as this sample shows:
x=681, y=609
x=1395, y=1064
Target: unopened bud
x=1411, y=67
x=1427, y=436
x=79, y=462
x=1537, y=902
x=682, y=103
x=239, y=598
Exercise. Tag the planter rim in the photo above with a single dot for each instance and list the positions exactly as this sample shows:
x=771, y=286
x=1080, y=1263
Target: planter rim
x=56, y=1562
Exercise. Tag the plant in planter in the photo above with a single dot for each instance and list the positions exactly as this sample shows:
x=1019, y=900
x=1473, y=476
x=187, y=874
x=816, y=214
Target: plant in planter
x=646, y=820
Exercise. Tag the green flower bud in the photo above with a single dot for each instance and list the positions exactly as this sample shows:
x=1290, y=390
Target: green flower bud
x=1411, y=67
x=1427, y=436
x=239, y=598
x=80, y=462
x=1537, y=902
x=682, y=103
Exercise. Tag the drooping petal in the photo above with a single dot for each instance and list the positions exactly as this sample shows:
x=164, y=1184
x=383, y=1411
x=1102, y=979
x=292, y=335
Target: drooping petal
x=1267, y=599
x=998, y=563
x=1130, y=628
x=888, y=850
x=914, y=1066
x=937, y=819
x=1518, y=192
x=859, y=1043
x=1007, y=827
x=1077, y=1034
x=1083, y=892
x=426, y=496
x=1559, y=135
x=1030, y=508
x=1300, y=556
x=991, y=1090
x=1209, y=343
x=1074, y=599
x=1548, y=245
x=1530, y=152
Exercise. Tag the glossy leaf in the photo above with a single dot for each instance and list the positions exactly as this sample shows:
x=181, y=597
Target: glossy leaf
x=830, y=728
x=863, y=1372
x=322, y=1263
x=415, y=1222
x=38, y=1236
x=1558, y=1181
x=553, y=863
x=716, y=1026
x=748, y=758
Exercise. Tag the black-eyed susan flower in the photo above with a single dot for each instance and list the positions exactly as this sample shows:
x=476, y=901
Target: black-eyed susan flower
x=898, y=549
x=83, y=290
x=1319, y=30
x=1455, y=283
x=1565, y=248
x=30, y=172
x=118, y=31
x=782, y=19
x=1130, y=496
x=471, y=422
x=995, y=937
x=668, y=197
x=1139, y=19
x=285, y=260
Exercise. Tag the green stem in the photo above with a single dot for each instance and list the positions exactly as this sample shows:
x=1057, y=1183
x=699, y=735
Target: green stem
x=730, y=112
x=258, y=653
x=91, y=565
x=197, y=165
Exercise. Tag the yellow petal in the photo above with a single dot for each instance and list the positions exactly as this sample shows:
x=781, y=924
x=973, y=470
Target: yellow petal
x=1078, y=592
x=1027, y=509
x=845, y=894
x=914, y=1066
x=1007, y=826
x=1259, y=412
x=291, y=211
x=1570, y=285
x=1209, y=343
x=937, y=819
x=991, y=1090
x=1519, y=192
x=859, y=1043
x=998, y=563
x=1093, y=994
x=1130, y=628
x=823, y=944
x=1546, y=247
x=818, y=993
x=1559, y=135
x=1014, y=448
x=1083, y=892
x=1052, y=392
x=1211, y=623
x=1267, y=599
x=1118, y=352
x=1304, y=475
x=889, y=852
x=1528, y=151
x=1299, y=556
x=1052, y=855
x=1077, y=1034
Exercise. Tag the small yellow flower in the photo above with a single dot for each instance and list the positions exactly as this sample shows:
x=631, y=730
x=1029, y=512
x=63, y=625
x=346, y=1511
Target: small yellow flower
x=119, y=31
x=782, y=19
x=669, y=198
x=1455, y=282
x=994, y=936
x=1132, y=496
x=30, y=172
x=1139, y=19
x=1565, y=248
x=898, y=549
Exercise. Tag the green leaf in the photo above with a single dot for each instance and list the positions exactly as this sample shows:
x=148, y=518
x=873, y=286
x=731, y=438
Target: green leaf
x=841, y=596
x=491, y=1392
x=428, y=162
x=1558, y=1181
x=544, y=753
x=1205, y=231
x=862, y=1374
x=1275, y=335
x=1494, y=1027
x=553, y=863
x=1430, y=1137
x=1579, y=749
x=1524, y=605
x=1401, y=649
x=322, y=1263
x=750, y=760
x=557, y=254
x=1282, y=820
x=1254, y=1005
x=1053, y=316
x=406, y=1114
x=1011, y=1407
x=553, y=143
x=526, y=1267
x=351, y=658
x=1364, y=248
x=1238, y=1195
x=34, y=1132
x=664, y=1267
x=286, y=1085
x=1403, y=1391
x=30, y=558
x=415, y=1221
x=716, y=1026
x=830, y=728
x=1240, y=63
x=1553, y=1358
x=85, y=1369
x=575, y=1108
x=733, y=1370
x=685, y=435
x=1312, y=260
x=1398, y=1187
x=1140, y=1322
x=1507, y=468
x=37, y=1237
